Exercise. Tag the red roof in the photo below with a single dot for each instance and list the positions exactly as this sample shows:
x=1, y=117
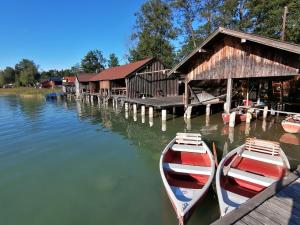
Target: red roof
x=120, y=72
x=85, y=77
x=69, y=79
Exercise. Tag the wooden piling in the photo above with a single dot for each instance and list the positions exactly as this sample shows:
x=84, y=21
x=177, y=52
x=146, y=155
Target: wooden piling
x=208, y=109
x=265, y=113
x=232, y=119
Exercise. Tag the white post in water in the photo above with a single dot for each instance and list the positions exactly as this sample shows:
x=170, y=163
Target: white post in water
x=143, y=110
x=163, y=114
x=126, y=106
x=265, y=114
x=113, y=101
x=229, y=95
x=151, y=112
x=207, y=109
x=134, y=112
x=163, y=125
x=92, y=100
x=248, y=118
x=151, y=121
x=232, y=119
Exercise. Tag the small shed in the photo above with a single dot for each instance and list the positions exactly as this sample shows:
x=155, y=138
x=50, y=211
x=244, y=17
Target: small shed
x=146, y=77
x=68, y=84
x=83, y=84
x=235, y=56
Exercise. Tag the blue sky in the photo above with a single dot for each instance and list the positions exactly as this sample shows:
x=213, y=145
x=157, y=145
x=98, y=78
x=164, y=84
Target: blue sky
x=58, y=33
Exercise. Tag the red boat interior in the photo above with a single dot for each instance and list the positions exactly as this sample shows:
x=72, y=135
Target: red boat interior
x=245, y=188
x=194, y=181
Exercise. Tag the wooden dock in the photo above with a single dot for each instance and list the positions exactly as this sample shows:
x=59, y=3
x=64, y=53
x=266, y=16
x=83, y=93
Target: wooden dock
x=278, y=204
x=159, y=102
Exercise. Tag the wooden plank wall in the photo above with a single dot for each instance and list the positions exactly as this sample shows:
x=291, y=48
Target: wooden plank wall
x=152, y=84
x=230, y=58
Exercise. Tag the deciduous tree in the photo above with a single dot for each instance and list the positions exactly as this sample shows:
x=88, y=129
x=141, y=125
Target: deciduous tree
x=93, y=61
x=113, y=60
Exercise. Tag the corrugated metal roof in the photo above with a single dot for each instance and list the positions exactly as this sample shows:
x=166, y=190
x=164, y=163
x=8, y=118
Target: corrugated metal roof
x=120, y=72
x=286, y=46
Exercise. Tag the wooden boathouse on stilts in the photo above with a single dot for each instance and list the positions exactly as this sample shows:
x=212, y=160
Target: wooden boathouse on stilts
x=234, y=65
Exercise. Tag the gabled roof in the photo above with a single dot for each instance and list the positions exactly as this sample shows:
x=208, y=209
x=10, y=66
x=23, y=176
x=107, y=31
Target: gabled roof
x=120, y=72
x=69, y=79
x=285, y=46
x=85, y=77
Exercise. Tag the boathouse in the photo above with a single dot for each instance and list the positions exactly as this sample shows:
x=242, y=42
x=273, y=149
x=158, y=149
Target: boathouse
x=68, y=84
x=231, y=63
x=83, y=84
x=145, y=78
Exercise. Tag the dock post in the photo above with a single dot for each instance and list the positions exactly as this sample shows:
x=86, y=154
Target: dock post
x=248, y=118
x=163, y=114
x=92, y=100
x=143, y=112
x=126, y=106
x=207, y=109
x=151, y=121
x=163, y=125
x=232, y=119
x=113, y=101
x=134, y=112
x=265, y=114
x=150, y=112
x=229, y=95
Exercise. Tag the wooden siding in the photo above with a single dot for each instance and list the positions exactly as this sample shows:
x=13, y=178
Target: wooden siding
x=228, y=57
x=153, y=84
x=104, y=84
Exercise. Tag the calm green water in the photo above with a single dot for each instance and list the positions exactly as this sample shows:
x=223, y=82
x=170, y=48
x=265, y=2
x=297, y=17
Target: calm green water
x=68, y=163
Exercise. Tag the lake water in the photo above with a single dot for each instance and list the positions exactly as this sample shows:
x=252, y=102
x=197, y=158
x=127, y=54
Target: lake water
x=70, y=163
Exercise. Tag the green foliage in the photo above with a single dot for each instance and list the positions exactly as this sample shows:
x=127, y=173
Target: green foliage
x=113, y=60
x=26, y=73
x=1, y=79
x=93, y=61
x=154, y=32
x=8, y=75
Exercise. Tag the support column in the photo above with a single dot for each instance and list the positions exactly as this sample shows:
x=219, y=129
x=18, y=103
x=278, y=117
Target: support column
x=143, y=110
x=208, y=109
x=265, y=113
x=186, y=94
x=229, y=95
x=134, y=112
x=150, y=112
x=232, y=119
x=248, y=118
x=92, y=99
x=259, y=92
x=126, y=106
x=163, y=114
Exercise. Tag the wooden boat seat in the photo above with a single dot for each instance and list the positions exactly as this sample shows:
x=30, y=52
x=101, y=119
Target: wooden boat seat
x=188, y=148
x=250, y=177
x=277, y=160
x=180, y=168
x=258, y=145
x=188, y=138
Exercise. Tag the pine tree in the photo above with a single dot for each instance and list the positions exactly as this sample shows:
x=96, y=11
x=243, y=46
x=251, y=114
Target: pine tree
x=113, y=60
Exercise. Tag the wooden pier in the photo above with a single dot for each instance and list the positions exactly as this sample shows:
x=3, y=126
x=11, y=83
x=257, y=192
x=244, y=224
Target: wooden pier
x=278, y=204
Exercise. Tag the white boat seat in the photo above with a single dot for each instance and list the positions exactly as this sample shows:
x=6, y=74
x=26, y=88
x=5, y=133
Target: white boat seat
x=188, y=138
x=180, y=168
x=189, y=148
x=250, y=177
x=277, y=160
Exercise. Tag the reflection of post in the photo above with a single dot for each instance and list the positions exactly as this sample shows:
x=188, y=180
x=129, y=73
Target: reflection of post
x=207, y=120
x=126, y=114
x=225, y=149
x=143, y=111
x=143, y=118
x=264, y=125
x=150, y=112
x=134, y=112
x=248, y=118
x=151, y=121
x=232, y=119
x=163, y=125
x=247, y=129
x=78, y=107
x=231, y=134
x=188, y=124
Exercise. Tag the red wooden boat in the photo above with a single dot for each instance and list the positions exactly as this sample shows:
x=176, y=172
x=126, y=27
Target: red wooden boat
x=247, y=170
x=291, y=124
x=239, y=117
x=187, y=169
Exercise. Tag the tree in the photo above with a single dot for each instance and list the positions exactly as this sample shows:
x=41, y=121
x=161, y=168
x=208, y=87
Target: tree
x=26, y=73
x=266, y=17
x=8, y=75
x=113, y=60
x=185, y=11
x=1, y=79
x=153, y=32
x=93, y=61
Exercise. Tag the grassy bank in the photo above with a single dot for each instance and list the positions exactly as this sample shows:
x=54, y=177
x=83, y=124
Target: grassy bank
x=28, y=91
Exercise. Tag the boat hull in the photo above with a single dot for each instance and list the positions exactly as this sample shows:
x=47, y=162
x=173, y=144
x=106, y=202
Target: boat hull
x=291, y=127
x=239, y=117
x=194, y=187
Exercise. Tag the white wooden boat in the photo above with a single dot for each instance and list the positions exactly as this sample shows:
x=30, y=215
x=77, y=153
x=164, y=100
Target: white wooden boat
x=187, y=169
x=247, y=170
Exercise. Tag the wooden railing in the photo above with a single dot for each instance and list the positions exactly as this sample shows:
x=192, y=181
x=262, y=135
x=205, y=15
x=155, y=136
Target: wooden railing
x=118, y=91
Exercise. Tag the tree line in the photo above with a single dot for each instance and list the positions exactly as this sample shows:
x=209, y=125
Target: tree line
x=26, y=72
x=170, y=29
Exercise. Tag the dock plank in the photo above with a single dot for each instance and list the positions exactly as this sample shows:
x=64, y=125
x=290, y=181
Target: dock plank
x=277, y=204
